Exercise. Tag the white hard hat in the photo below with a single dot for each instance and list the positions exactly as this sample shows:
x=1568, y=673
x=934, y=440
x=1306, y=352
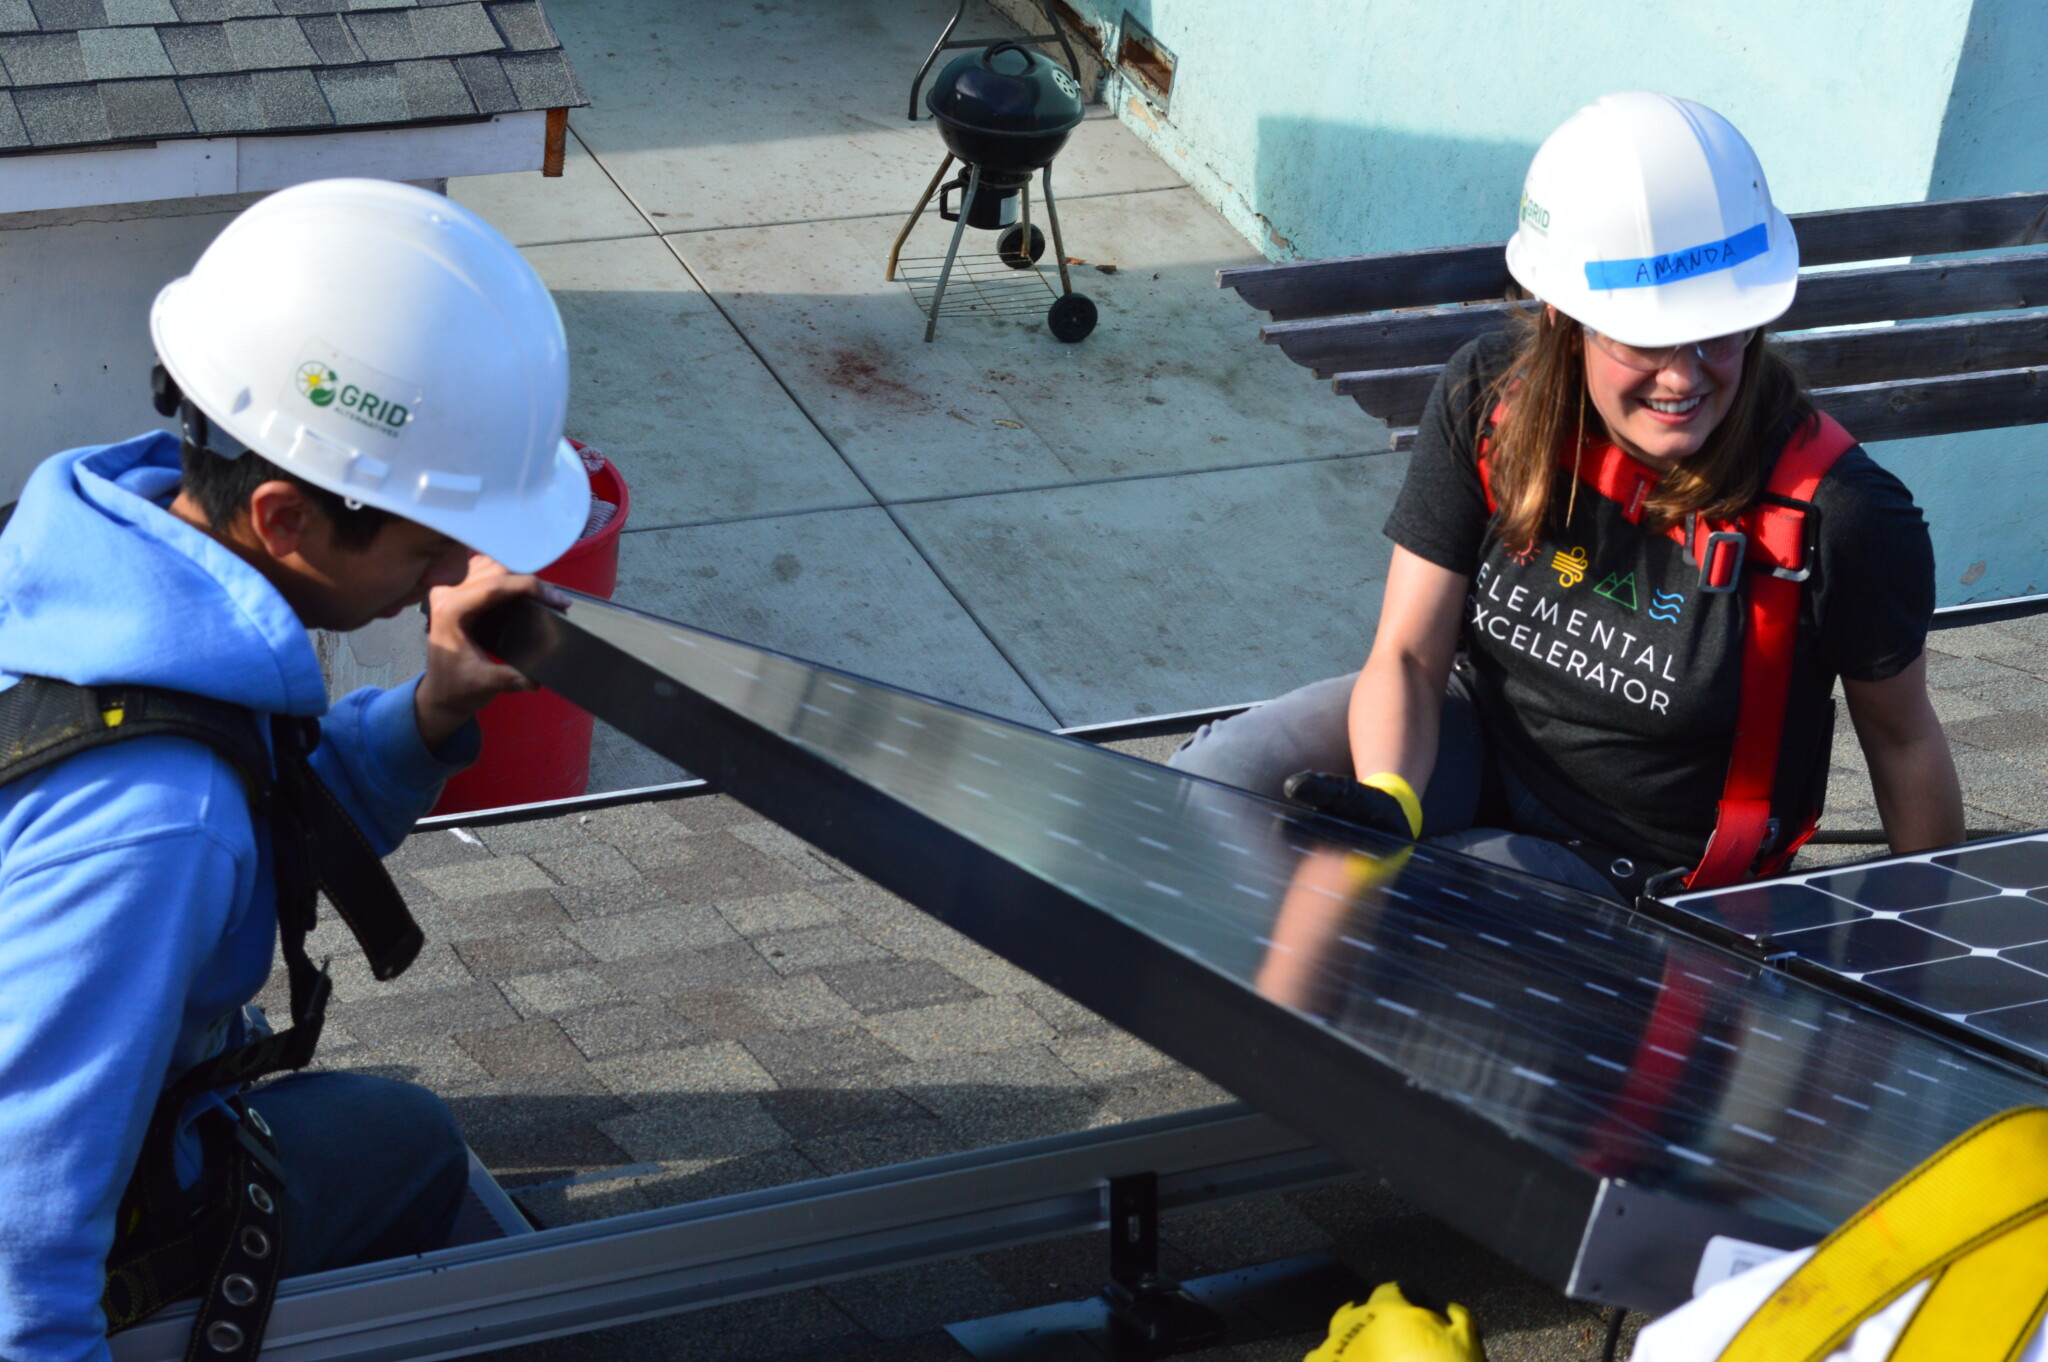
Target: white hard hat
x=1647, y=218
x=389, y=345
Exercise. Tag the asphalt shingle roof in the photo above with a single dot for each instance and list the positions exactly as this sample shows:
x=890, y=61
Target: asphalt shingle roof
x=79, y=73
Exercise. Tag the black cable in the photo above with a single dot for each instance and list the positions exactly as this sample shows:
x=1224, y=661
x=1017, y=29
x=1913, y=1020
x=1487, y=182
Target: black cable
x=1872, y=837
x=1614, y=1320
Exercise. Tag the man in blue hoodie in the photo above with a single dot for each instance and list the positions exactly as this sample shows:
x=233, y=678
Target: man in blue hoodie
x=371, y=383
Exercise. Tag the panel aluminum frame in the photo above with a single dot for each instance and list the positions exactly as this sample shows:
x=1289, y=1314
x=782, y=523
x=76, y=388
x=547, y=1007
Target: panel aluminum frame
x=580, y=1277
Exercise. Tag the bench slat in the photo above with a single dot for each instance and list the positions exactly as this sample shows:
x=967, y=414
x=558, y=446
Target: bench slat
x=1394, y=340
x=1904, y=409
x=1460, y=274
x=1825, y=359
x=1939, y=406
x=1882, y=354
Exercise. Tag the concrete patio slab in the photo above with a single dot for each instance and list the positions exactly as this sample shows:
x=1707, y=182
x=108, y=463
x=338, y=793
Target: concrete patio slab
x=662, y=384
x=787, y=111
x=1171, y=381
x=1155, y=595
x=583, y=205
x=840, y=587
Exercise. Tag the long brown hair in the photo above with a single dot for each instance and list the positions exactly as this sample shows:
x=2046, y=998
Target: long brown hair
x=1543, y=389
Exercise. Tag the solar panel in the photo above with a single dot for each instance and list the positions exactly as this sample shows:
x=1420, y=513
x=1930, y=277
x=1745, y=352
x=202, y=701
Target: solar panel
x=1588, y=1092
x=1959, y=936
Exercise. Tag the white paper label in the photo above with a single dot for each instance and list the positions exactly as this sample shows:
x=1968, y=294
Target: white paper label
x=1726, y=1257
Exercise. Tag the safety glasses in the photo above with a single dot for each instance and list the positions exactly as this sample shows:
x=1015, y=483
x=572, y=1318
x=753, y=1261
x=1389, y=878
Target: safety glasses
x=1712, y=350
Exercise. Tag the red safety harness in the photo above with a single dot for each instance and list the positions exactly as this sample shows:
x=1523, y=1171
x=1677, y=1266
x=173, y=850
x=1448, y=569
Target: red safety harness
x=1772, y=540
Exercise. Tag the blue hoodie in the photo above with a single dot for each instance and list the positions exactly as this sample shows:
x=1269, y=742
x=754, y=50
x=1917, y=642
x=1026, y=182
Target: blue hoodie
x=137, y=911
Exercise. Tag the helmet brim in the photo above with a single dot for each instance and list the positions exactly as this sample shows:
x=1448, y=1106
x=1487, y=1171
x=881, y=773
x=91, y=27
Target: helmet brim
x=528, y=535
x=1751, y=295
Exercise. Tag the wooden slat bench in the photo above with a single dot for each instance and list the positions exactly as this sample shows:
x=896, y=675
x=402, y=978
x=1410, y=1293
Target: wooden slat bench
x=1928, y=347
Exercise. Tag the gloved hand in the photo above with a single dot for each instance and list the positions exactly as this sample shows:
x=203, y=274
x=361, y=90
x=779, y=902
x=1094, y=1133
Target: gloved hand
x=1370, y=806
x=1388, y=1329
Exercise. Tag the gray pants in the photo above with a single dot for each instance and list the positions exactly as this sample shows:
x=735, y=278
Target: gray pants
x=1308, y=730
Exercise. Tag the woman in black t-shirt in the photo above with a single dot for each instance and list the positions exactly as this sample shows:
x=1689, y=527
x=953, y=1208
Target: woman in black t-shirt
x=1555, y=671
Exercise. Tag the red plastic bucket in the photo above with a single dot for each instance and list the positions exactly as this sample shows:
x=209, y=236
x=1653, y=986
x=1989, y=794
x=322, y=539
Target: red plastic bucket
x=536, y=744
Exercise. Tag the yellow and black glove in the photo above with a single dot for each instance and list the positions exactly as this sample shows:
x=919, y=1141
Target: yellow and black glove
x=1388, y=1329
x=1384, y=801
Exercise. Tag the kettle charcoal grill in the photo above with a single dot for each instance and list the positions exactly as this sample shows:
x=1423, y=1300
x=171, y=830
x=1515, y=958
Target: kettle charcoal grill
x=1004, y=113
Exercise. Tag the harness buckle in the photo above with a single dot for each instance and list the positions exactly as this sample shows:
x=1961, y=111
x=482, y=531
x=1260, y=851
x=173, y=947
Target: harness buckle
x=1709, y=557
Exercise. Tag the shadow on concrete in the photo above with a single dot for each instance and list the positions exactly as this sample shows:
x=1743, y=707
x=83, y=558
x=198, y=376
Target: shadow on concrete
x=1997, y=106
x=1360, y=186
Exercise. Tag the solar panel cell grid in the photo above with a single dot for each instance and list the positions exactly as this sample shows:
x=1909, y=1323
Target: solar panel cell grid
x=1895, y=887
x=1864, y=947
x=1768, y=909
x=1214, y=923
x=1993, y=923
x=1962, y=934
x=2010, y=865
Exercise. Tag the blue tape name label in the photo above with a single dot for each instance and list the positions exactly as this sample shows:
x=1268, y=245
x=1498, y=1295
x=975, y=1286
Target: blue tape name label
x=1651, y=270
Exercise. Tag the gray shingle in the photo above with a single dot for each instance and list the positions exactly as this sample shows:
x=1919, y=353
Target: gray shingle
x=291, y=99
x=487, y=84
x=43, y=59
x=386, y=35
x=455, y=31
x=524, y=25
x=63, y=115
x=358, y=5
x=140, y=12
x=260, y=44
x=364, y=94
x=145, y=108
x=12, y=134
x=16, y=17
x=330, y=39
x=201, y=11
x=542, y=80
x=64, y=16
x=311, y=6
x=123, y=53
x=249, y=9
x=433, y=90
x=222, y=105
x=198, y=49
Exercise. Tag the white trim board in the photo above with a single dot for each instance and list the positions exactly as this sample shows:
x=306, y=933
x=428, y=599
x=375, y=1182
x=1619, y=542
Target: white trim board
x=199, y=166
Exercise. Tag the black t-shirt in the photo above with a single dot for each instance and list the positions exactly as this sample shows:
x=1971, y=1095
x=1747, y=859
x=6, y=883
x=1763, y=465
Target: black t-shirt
x=1607, y=681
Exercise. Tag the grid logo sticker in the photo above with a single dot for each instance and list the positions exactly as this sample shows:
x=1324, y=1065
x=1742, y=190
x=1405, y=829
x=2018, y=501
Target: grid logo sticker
x=319, y=383
x=339, y=386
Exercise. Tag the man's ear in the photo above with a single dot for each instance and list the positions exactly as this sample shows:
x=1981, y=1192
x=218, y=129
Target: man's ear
x=280, y=518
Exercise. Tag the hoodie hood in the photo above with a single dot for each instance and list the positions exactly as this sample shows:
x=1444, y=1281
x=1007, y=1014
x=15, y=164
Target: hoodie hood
x=100, y=584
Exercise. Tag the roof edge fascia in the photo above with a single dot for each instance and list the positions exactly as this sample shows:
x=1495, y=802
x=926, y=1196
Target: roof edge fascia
x=197, y=167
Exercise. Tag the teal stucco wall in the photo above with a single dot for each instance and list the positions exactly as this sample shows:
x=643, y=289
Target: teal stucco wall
x=1334, y=127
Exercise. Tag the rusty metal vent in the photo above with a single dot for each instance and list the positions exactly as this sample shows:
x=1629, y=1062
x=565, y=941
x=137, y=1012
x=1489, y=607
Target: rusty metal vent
x=1140, y=56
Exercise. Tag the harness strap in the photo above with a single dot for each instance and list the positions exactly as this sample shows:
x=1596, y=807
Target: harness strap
x=1746, y=839
x=1770, y=541
x=1972, y=1217
x=222, y=1241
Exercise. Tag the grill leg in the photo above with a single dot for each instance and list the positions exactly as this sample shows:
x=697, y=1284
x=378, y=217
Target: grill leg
x=931, y=325
x=1059, y=248
x=939, y=47
x=896, y=248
